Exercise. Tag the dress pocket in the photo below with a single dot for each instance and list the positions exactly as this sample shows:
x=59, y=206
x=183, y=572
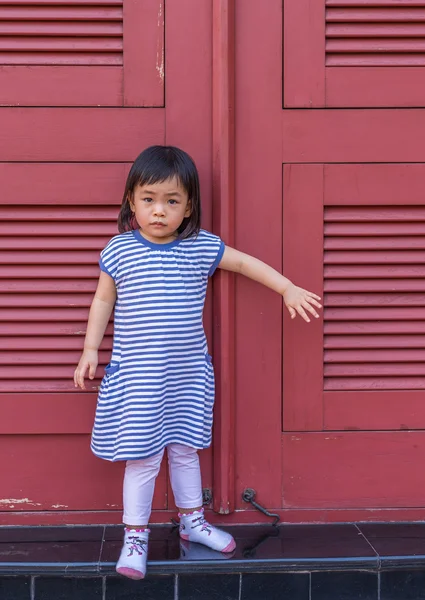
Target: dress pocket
x=112, y=368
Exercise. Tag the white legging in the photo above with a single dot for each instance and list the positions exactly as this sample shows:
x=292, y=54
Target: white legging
x=140, y=476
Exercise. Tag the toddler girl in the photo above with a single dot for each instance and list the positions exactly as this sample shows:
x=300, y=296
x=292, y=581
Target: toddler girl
x=158, y=389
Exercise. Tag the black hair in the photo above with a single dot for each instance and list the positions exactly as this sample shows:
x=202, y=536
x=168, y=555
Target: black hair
x=155, y=165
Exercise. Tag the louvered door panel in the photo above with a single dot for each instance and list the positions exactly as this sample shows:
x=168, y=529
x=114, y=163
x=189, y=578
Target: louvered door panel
x=359, y=33
x=57, y=34
x=350, y=52
x=376, y=294
x=50, y=241
x=47, y=287
x=76, y=53
x=366, y=254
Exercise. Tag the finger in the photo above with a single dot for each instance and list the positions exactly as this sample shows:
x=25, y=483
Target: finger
x=310, y=309
x=303, y=314
x=92, y=371
x=75, y=378
x=312, y=301
x=311, y=295
x=292, y=312
x=80, y=376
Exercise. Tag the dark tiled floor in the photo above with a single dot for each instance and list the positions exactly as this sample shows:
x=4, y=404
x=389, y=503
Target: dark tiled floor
x=350, y=585
x=94, y=550
x=300, y=562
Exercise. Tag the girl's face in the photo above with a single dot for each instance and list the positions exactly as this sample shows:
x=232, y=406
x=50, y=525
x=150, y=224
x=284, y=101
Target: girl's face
x=159, y=209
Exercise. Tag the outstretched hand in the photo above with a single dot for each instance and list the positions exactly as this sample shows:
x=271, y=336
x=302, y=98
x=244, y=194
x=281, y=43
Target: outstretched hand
x=301, y=301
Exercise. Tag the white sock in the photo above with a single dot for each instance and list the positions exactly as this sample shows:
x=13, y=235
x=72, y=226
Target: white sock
x=134, y=553
x=194, y=528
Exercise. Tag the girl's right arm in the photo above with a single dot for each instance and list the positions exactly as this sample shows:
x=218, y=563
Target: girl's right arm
x=100, y=313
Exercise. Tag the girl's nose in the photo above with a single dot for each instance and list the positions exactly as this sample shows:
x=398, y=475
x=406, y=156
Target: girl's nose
x=159, y=208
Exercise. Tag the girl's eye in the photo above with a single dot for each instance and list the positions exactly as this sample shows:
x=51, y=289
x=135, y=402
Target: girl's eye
x=147, y=199
x=171, y=201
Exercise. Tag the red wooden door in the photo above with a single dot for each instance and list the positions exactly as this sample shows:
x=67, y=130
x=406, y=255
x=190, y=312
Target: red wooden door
x=330, y=172
x=357, y=399
x=81, y=94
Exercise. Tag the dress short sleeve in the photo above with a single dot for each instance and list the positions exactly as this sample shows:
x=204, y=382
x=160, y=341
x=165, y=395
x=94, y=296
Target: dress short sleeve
x=211, y=249
x=109, y=259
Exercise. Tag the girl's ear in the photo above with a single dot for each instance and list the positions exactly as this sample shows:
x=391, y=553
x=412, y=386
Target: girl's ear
x=130, y=201
x=188, y=211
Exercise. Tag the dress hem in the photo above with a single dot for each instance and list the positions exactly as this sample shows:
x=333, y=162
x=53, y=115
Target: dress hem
x=149, y=455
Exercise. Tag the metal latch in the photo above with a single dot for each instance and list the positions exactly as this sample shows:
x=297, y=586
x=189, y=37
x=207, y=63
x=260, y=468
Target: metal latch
x=248, y=495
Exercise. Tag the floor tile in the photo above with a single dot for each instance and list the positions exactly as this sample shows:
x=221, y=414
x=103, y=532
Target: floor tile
x=65, y=588
x=275, y=586
x=74, y=533
x=56, y=555
x=344, y=586
x=35, y=548
x=151, y=588
x=309, y=545
x=403, y=585
x=209, y=587
x=15, y=588
x=393, y=541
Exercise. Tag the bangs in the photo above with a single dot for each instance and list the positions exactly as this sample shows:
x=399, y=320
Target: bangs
x=165, y=172
x=160, y=163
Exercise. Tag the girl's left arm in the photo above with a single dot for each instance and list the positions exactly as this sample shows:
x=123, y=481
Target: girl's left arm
x=296, y=299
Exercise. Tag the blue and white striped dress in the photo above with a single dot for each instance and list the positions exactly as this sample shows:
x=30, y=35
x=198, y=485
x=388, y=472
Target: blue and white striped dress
x=158, y=388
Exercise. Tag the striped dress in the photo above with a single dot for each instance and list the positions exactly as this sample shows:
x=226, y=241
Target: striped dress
x=158, y=388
